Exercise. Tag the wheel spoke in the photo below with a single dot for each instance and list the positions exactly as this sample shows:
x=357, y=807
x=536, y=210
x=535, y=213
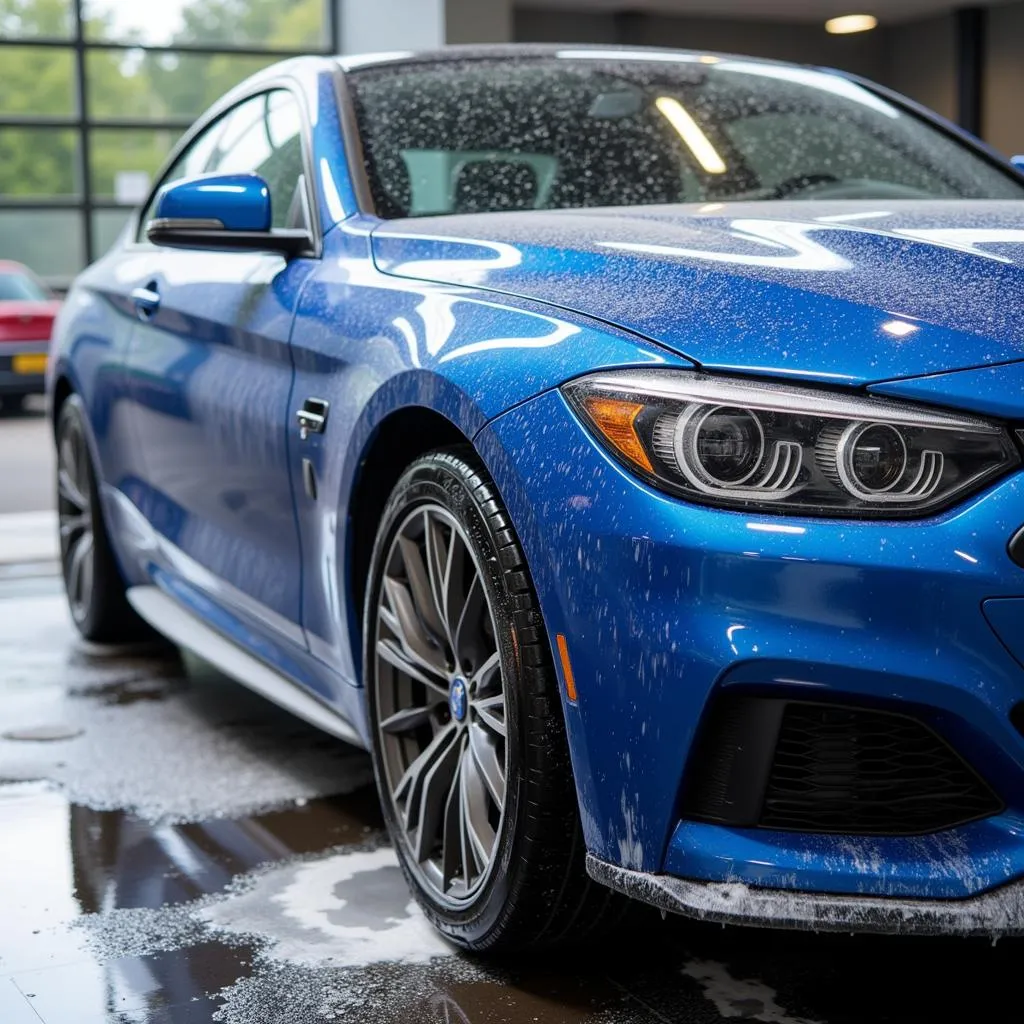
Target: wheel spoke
x=478, y=838
x=405, y=624
x=491, y=713
x=421, y=586
x=486, y=675
x=485, y=756
x=438, y=568
x=410, y=785
x=68, y=489
x=408, y=719
x=80, y=555
x=451, y=838
x=87, y=570
x=397, y=658
x=72, y=525
x=467, y=633
x=438, y=782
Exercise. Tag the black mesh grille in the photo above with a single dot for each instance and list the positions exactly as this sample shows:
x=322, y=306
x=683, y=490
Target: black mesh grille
x=813, y=767
x=858, y=771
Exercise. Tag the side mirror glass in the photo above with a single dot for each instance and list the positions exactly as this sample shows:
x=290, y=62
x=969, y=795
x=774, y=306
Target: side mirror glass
x=222, y=211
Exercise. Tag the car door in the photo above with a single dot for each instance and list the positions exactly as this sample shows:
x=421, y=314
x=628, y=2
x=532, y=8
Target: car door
x=210, y=378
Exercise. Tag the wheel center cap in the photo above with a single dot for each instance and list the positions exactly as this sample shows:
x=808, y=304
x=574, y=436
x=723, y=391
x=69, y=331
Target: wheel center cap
x=458, y=698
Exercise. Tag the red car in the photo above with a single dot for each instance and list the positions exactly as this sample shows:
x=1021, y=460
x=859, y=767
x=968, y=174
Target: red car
x=27, y=312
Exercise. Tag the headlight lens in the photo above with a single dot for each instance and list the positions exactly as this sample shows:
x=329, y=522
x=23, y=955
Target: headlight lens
x=749, y=445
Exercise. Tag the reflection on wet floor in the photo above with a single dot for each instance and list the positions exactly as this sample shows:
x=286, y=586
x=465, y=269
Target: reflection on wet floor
x=191, y=854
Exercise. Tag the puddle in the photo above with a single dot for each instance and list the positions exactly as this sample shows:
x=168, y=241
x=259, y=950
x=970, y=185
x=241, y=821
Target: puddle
x=351, y=908
x=195, y=854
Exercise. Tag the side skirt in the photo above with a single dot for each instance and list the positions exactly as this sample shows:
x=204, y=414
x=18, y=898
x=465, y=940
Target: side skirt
x=180, y=626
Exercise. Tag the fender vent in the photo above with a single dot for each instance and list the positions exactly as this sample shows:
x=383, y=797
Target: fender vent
x=831, y=769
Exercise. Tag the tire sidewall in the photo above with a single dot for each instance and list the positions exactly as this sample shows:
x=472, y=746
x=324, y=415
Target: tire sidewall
x=433, y=481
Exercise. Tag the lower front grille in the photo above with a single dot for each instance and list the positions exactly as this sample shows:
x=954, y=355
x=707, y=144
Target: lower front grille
x=826, y=768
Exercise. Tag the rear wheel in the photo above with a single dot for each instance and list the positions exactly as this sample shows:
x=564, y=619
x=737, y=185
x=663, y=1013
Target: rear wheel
x=92, y=580
x=469, y=742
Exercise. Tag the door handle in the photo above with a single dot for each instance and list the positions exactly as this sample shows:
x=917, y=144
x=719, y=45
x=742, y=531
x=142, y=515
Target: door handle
x=312, y=417
x=147, y=300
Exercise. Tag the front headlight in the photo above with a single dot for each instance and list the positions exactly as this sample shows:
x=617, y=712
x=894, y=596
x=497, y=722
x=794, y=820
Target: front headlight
x=752, y=445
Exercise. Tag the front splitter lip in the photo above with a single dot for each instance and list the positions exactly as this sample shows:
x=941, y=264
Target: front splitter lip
x=995, y=913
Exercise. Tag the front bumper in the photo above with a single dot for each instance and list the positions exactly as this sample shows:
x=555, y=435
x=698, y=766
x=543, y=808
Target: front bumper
x=999, y=912
x=666, y=604
x=15, y=382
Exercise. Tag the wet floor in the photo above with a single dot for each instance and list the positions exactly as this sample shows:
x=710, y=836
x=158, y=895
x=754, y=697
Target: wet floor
x=175, y=849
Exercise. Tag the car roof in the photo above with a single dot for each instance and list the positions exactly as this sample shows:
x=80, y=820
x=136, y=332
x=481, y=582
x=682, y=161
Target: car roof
x=14, y=267
x=517, y=51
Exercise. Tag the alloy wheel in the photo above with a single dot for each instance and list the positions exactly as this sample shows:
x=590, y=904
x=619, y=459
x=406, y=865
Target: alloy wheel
x=441, y=708
x=74, y=511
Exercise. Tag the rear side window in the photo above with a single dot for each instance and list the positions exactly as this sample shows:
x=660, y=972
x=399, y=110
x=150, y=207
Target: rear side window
x=262, y=135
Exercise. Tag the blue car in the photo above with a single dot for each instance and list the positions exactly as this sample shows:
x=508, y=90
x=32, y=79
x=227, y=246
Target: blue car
x=624, y=446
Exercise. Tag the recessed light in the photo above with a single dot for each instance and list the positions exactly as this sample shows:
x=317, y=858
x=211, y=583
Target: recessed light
x=850, y=23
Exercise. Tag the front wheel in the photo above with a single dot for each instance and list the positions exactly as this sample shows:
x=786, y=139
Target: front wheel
x=469, y=743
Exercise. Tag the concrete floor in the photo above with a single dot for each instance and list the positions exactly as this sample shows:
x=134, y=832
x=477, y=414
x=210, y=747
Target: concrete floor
x=175, y=849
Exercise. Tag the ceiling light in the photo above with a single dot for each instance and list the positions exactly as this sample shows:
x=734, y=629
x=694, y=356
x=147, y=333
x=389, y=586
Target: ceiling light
x=689, y=131
x=849, y=23
x=899, y=328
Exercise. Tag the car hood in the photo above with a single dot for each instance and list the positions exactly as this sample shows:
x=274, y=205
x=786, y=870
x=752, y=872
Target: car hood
x=851, y=292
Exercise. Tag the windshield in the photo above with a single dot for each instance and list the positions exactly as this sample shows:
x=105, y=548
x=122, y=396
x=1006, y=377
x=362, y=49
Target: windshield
x=583, y=130
x=20, y=287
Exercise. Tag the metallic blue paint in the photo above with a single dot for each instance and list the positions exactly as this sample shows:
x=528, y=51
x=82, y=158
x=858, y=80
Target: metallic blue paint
x=1006, y=616
x=989, y=390
x=704, y=598
x=241, y=202
x=864, y=865
x=478, y=320
x=798, y=288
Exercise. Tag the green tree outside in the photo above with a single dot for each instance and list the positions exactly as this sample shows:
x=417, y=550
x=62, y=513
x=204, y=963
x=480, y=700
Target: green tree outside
x=136, y=84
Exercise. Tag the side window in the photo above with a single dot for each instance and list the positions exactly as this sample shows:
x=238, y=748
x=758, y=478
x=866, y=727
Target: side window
x=262, y=135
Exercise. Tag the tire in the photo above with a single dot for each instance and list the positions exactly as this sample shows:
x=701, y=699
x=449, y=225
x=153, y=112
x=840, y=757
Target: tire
x=436, y=770
x=92, y=580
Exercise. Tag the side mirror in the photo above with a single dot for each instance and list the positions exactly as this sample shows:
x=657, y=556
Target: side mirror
x=1018, y=162
x=222, y=211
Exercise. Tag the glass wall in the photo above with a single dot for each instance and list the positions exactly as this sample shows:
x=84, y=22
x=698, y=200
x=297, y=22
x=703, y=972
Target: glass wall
x=94, y=93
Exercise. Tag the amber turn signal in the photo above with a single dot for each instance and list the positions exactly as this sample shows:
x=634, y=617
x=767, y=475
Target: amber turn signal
x=615, y=418
x=563, y=654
